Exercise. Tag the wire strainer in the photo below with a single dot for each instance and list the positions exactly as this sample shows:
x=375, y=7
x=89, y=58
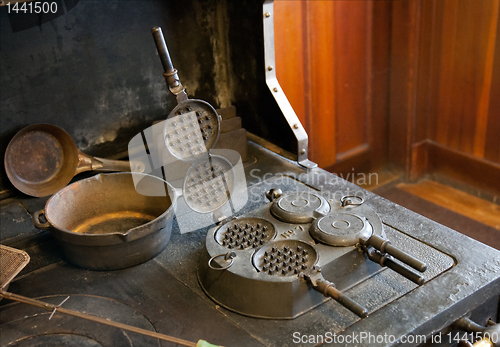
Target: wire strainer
x=12, y=261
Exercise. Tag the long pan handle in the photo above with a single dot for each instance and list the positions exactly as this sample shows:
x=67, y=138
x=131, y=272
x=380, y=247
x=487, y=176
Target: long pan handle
x=170, y=73
x=89, y=163
x=117, y=165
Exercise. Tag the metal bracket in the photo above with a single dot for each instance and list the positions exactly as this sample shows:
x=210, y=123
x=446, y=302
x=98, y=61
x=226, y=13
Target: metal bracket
x=278, y=94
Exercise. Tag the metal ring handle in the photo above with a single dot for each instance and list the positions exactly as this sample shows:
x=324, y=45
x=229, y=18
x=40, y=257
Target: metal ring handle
x=228, y=255
x=38, y=223
x=346, y=200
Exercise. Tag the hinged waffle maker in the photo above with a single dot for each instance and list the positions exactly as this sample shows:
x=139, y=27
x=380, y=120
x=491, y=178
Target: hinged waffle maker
x=280, y=261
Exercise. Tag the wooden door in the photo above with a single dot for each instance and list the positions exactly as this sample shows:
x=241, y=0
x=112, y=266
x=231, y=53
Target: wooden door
x=332, y=62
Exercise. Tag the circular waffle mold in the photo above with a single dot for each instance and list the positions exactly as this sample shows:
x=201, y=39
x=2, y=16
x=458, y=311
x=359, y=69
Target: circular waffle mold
x=340, y=229
x=208, y=184
x=299, y=207
x=191, y=129
x=244, y=233
x=285, y=258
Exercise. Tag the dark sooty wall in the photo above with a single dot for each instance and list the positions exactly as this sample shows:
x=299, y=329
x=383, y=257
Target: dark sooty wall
x=94, y=71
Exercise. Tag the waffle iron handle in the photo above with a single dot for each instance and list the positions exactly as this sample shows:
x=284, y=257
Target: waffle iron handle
x=388, y=260
x=384, y=246
x=327, y=288
x=170, y=73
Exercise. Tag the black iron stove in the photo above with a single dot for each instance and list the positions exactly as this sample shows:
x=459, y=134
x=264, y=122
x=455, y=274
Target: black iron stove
x=164, y=294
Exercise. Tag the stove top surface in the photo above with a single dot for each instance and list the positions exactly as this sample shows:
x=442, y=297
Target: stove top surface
x=26, y=326
x=461, y=275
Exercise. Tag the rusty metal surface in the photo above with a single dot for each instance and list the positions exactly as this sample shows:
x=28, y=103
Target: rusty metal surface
x=38, y=155
x=41, y=159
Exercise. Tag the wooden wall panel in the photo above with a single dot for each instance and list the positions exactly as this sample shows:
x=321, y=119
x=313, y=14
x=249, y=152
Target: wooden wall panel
x=449, y=61
x=322, y=97
x=378, y=131
x=325, y=65
x=430, y=108
x=464, y=54
x=426, y=73
x=388, y=82
x=304, y=67
x=490, y=109
x=352, y=64
x=404, y=40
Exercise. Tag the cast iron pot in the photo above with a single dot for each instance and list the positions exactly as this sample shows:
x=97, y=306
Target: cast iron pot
x=105, y=222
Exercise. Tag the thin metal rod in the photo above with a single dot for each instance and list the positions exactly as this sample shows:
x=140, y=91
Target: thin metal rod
x=50, y=307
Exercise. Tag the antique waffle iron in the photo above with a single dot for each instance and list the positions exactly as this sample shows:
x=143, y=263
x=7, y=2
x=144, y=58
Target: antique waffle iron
x=273, y=261
x=190, y=131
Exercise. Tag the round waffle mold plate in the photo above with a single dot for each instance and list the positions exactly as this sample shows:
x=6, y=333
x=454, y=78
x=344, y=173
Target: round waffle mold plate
x=245, y=233
x=208, y=184
x=285, y=258
x=191, y=129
